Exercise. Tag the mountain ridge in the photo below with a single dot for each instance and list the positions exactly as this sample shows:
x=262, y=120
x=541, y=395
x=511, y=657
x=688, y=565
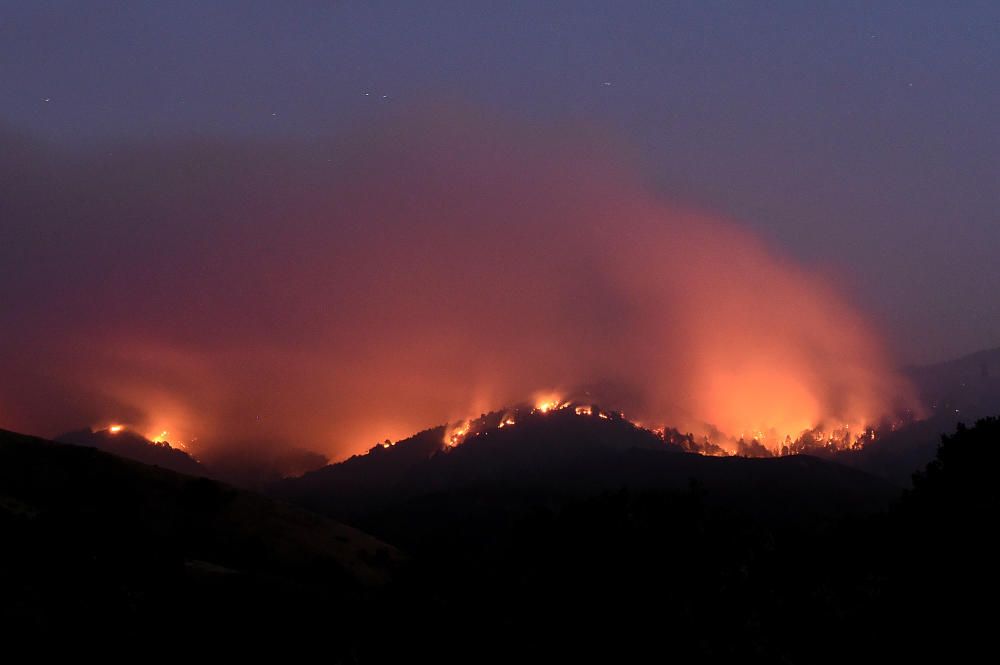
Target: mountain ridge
x=561, y=454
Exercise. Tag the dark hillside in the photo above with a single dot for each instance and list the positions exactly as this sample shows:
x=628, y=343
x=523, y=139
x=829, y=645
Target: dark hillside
x=93, y=540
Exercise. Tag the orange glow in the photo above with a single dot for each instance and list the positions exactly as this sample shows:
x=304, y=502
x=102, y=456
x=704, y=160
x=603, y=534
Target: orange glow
x=760, y=397
x=114, y=429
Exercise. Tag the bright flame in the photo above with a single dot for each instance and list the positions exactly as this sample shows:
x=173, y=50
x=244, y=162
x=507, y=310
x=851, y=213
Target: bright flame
x=714, y=442
x=164, y=437
x=550, y=402
x=114, y=429
x=454, y=434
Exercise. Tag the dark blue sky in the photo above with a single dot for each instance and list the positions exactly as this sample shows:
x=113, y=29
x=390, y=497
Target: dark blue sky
x=861, y=138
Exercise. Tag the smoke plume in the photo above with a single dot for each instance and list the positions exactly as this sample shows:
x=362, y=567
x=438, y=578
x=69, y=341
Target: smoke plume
x=335, y=294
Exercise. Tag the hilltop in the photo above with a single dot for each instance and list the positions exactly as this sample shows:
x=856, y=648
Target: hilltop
x=560, y=455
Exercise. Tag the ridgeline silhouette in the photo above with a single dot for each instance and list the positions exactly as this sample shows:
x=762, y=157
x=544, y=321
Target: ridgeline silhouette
x=565, y=538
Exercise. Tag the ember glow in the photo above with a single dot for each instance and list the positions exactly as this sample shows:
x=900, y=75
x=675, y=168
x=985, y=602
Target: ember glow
x=332, y=297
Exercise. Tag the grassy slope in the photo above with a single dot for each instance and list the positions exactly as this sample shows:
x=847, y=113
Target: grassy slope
x=93, y=541
x=241, y=529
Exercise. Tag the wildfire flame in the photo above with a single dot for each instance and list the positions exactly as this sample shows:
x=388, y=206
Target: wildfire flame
x=547, y=404
x=454, y=435
x=756, y=443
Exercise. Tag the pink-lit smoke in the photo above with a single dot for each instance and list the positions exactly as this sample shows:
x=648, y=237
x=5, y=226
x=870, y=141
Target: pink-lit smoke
x=329, y=296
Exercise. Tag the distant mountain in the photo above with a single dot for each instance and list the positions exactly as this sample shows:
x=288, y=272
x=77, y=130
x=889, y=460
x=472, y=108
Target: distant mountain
x=94, y=541
x=896, y=455
x=128, y=444
x=249, y=466
x=965, y=389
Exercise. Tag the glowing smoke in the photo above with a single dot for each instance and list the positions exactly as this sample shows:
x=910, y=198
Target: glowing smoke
x=333, y=296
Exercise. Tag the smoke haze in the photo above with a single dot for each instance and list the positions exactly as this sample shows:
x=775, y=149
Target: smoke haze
x=332, y=295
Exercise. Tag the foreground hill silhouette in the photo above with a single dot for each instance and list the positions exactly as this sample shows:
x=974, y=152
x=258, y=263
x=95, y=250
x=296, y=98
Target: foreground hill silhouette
x=740, y=562
x=92, y=541
x=628, y=575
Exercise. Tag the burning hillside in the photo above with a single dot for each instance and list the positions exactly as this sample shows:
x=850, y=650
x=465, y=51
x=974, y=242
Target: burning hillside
x=711, y=442
x=559, y=447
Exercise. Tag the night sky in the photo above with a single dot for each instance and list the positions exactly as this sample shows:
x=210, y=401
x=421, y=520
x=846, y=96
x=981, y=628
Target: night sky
x=857, y=141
